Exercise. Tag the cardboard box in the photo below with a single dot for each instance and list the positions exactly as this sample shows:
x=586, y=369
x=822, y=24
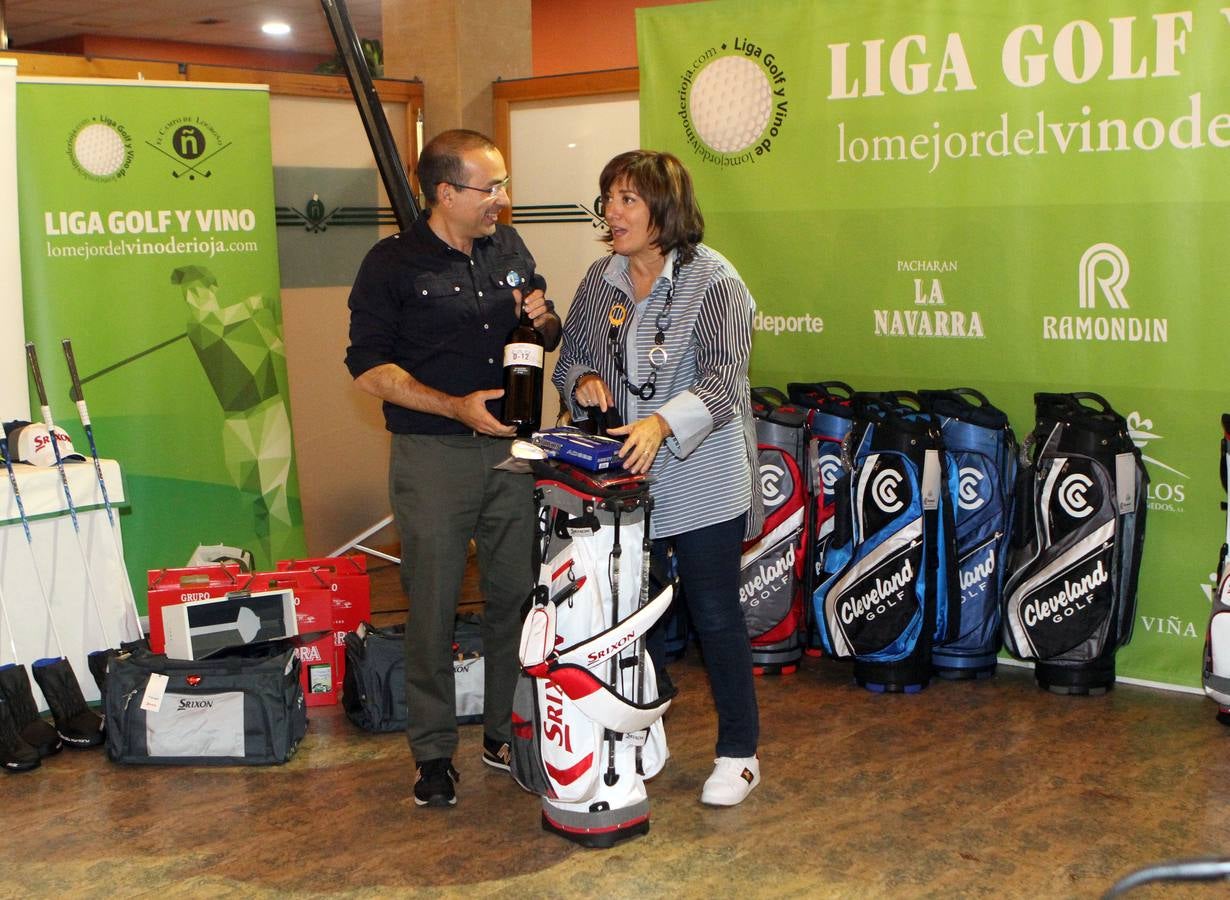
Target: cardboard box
x=202, y=628
x=351, y=589
x=314, y=616
x=171, y=587
x=592, y=452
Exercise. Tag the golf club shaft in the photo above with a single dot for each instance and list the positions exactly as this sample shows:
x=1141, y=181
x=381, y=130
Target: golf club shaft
x=84, y=412
x=32, y=355
x=25, y=525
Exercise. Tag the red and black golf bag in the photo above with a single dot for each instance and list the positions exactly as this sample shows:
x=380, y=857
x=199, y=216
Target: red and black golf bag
x=1070, y=597
x=773, y=562
x=829, y=417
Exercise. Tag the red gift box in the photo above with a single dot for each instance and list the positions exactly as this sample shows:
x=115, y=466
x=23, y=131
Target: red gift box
x=314, y=646
x=169, y=587
x=351, y=589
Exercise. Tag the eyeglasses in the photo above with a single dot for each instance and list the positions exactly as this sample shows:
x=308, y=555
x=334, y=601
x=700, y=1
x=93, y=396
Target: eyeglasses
x=492, y=192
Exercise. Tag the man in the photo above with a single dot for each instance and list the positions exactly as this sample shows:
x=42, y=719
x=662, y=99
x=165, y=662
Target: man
x=430, y=310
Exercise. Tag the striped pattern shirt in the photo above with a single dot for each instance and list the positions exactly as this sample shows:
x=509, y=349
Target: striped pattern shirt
x=703, y=472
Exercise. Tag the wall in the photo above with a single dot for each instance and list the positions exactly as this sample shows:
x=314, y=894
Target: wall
x=93, y=45
x=586, y=35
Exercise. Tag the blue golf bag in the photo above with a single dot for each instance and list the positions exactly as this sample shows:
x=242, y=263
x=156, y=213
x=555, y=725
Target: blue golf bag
x=828, y=422
x=772, y=563
x=1216, y=677
x=892, y=593
x=982, y=449
x=1070, y=596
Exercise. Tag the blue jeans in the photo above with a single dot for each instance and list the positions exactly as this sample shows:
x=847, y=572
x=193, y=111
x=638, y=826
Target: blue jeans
x=708, y=561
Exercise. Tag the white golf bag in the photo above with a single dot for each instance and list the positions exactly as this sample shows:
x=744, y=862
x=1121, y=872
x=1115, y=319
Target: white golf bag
x=587, y=720
x=1217, y=641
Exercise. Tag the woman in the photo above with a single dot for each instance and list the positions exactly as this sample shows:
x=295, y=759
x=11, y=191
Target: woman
x=661, y=331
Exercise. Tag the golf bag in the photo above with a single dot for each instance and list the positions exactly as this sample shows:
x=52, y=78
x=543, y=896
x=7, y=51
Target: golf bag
x=1217, y=640
x=982, y=449
x=772, y=564
x=892, y=592
x=1070, y=596
x=587, y=720
x=828, y=423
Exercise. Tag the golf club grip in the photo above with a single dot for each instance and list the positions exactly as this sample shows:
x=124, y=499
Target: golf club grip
x=78, y=396
x=32, y=355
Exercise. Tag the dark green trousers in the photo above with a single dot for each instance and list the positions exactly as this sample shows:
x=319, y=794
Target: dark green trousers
x=443, y=492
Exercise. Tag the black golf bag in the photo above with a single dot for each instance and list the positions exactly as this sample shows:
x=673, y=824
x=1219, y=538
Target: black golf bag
x=892, y=590
x=828, y=422
x=1070, y=596
x=772, y=566
x=587, y=719
x=1217, y=640
x=983, y=450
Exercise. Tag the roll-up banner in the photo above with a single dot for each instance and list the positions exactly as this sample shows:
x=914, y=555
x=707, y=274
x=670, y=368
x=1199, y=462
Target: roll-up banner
x=13, y=400
x=1015, y=196
x=148, y=238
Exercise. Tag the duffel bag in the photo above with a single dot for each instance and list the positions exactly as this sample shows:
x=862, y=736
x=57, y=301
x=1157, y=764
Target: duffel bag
x=220, y=711
x=374, y=683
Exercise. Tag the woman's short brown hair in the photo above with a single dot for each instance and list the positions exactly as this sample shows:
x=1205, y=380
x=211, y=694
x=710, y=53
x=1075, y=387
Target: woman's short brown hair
x=666, y=187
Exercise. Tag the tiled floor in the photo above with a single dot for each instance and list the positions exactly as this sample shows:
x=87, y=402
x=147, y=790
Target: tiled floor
x=988, y=789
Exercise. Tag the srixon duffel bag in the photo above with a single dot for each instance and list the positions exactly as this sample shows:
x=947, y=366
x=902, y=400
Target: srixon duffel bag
x=1070, y=597
x=221, y=711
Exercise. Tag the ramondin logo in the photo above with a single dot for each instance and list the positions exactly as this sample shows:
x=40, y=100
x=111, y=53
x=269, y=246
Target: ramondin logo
x=1102, y=277
x=1164, y=494
x=969, y=494
x=100, y=148
x=732, y=102
x=1071, y=495
x=884, y=491
x=189, y=142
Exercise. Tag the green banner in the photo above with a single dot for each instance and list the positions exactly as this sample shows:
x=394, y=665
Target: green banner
x=1016, y=197
x=148, y=238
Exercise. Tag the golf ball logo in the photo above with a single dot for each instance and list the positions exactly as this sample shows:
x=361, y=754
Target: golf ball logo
x=100, y=149
x=731, y=101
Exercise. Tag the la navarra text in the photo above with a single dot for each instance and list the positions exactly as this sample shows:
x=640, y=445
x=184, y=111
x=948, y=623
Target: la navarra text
x=146, y=221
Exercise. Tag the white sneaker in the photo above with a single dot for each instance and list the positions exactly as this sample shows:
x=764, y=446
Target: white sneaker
x=732, y=780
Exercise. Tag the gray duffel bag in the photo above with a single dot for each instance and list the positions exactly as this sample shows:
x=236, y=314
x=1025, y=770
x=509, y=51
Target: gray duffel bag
x=221, y=711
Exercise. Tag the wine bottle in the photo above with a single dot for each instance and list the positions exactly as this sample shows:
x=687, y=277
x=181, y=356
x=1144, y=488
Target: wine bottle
x=523, y=359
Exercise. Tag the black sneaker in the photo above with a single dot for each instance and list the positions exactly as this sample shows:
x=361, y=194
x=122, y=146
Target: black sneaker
x=497, y=754
x=434, y=785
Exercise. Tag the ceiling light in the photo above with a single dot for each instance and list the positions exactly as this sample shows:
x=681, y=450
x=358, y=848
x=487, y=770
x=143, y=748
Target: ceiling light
x=276, y=28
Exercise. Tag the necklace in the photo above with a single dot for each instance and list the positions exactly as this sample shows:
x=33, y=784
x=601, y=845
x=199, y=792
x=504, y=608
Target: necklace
x=657, y=355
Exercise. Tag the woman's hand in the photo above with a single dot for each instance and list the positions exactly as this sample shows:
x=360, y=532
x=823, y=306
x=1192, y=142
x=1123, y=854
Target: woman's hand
x=591, y=390
x=644, y=438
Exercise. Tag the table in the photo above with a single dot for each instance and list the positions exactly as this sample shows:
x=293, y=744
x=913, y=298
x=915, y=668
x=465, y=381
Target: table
x=84, y=577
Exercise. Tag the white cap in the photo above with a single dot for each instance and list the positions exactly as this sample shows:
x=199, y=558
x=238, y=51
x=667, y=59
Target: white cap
x=31, y=444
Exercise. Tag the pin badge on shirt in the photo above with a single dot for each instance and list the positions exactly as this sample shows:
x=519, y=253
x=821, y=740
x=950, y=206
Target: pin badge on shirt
x=513, y=278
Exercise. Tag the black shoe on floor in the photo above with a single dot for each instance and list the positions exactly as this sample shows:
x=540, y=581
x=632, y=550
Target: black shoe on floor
x=434, y=785
x=497, y=754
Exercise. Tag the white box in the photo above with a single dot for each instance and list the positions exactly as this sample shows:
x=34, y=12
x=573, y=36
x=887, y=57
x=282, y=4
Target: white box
x=202, y=628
